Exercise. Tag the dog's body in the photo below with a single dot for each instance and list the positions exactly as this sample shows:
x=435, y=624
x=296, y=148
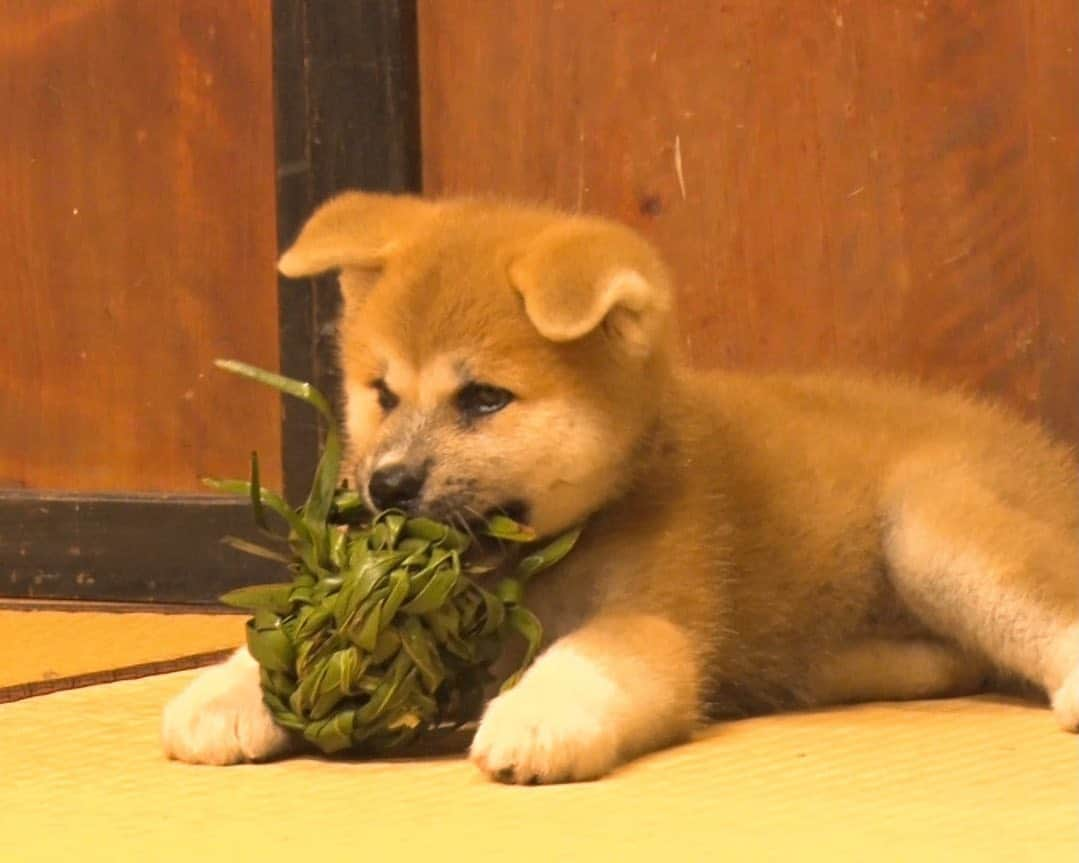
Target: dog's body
x=753, y=543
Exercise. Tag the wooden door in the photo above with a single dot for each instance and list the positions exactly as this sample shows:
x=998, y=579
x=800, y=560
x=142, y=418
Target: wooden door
x=142, y=195
x=136, y=243
x=888, y=185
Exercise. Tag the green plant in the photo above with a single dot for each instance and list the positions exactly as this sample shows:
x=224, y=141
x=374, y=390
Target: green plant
x=386, y=630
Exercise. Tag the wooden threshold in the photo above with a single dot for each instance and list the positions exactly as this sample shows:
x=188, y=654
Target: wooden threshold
x=88, y=606
x=19, y=691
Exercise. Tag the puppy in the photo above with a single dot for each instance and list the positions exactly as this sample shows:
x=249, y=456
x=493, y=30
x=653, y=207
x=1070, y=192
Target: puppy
x=752, y=543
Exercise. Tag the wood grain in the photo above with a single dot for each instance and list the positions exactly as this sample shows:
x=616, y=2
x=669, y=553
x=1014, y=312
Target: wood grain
x=136, y=242
x=884, y=185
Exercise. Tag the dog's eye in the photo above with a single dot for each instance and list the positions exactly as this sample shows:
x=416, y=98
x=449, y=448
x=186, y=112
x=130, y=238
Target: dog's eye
x=387, y=398
x=480, y=399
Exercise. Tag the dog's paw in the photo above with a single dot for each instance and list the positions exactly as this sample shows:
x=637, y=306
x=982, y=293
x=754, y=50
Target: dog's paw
x=220, y=718
x=1066, y=703
x=557, y=725
x=1063, y=665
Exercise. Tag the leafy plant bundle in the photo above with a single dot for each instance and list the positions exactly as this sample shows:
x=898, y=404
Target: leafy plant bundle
x=385, y=631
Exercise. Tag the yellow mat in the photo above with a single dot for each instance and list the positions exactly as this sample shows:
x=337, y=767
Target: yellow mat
x=45, y=645
x=82, y=778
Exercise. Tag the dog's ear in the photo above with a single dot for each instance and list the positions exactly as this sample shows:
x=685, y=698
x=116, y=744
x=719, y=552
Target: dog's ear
x=583, y=274
x=356, y=233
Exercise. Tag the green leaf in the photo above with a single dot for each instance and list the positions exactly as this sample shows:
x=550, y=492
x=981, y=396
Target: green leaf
x=435, y=593
x=339, y=547
x=255, y=549
x=271, y=648
x=367, y=630
x=308, y=653
x=268, y=498
x=302, y=594
x=311, y=620
x=280, y=682
x=417, y=644
x=387, y=645
x=494, y=612
x=379, y=536
x=297, y=389
x=347, y=502
x=282, y=715
x=332, y=734
x=434, y=531
x=438, y=558
x=271, y=596
x=307, y=691
x=358, y=585
x=528, y=626
x=415, y=548
x=332, y=681
x=317, y=507
x=395, y=522
x=321, y=497
x=352, y=665
x=548, y=556
x=399, y=587
x=509, y=591
x=502, y=527
x=256, y=493
x=385, y=691
x=444, y=624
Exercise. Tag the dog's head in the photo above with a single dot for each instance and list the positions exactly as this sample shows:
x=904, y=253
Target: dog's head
x=494, y=357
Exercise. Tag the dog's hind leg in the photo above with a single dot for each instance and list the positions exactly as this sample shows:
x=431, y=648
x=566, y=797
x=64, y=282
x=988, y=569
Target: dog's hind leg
x=981, y=570
x=879, y=669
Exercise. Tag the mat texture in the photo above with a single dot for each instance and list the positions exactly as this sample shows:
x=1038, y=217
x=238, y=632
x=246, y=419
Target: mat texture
x=47, y=645
x=971, y=779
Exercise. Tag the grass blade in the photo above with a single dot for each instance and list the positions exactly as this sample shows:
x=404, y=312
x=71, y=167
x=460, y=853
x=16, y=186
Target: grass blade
x=320, y=499
x=255, y=549
x=256, y=493
x=547, y=556
x=267, y=498
x=296, y=389
x=528, y=626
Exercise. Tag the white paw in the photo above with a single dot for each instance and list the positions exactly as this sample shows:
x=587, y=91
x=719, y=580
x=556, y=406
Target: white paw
x=557, y=725
x=1066, y=703
x=220, y=717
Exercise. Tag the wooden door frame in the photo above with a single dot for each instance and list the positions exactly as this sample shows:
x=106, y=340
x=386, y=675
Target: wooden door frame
x=346, y=111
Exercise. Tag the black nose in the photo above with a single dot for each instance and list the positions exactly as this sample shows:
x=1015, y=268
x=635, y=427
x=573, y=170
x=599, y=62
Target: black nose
x=396, y=486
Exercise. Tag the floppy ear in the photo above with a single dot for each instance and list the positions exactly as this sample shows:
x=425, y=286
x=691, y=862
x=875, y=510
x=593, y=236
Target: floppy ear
x=581, y=274
x=355, y=232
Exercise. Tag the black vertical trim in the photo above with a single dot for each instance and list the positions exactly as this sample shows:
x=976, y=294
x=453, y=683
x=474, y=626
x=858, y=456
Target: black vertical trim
x=346, y=100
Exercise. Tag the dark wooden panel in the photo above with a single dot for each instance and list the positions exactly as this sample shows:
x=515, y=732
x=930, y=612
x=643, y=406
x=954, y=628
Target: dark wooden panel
x=347, y=109
x=888, y=185
x=136, y=242
x=146, y=548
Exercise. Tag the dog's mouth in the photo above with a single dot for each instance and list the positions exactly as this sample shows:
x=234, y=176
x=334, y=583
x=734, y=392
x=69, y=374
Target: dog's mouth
x=471, y=518
x=515, y=509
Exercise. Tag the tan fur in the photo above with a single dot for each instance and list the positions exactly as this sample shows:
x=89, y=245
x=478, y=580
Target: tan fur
x=753, y=542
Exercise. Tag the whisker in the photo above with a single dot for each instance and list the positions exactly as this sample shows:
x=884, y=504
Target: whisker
x=480, y=519
x=465, y=524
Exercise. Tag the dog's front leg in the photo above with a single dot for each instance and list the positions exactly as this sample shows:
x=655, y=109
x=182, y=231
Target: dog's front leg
x=620, y=686
x=220, y=717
